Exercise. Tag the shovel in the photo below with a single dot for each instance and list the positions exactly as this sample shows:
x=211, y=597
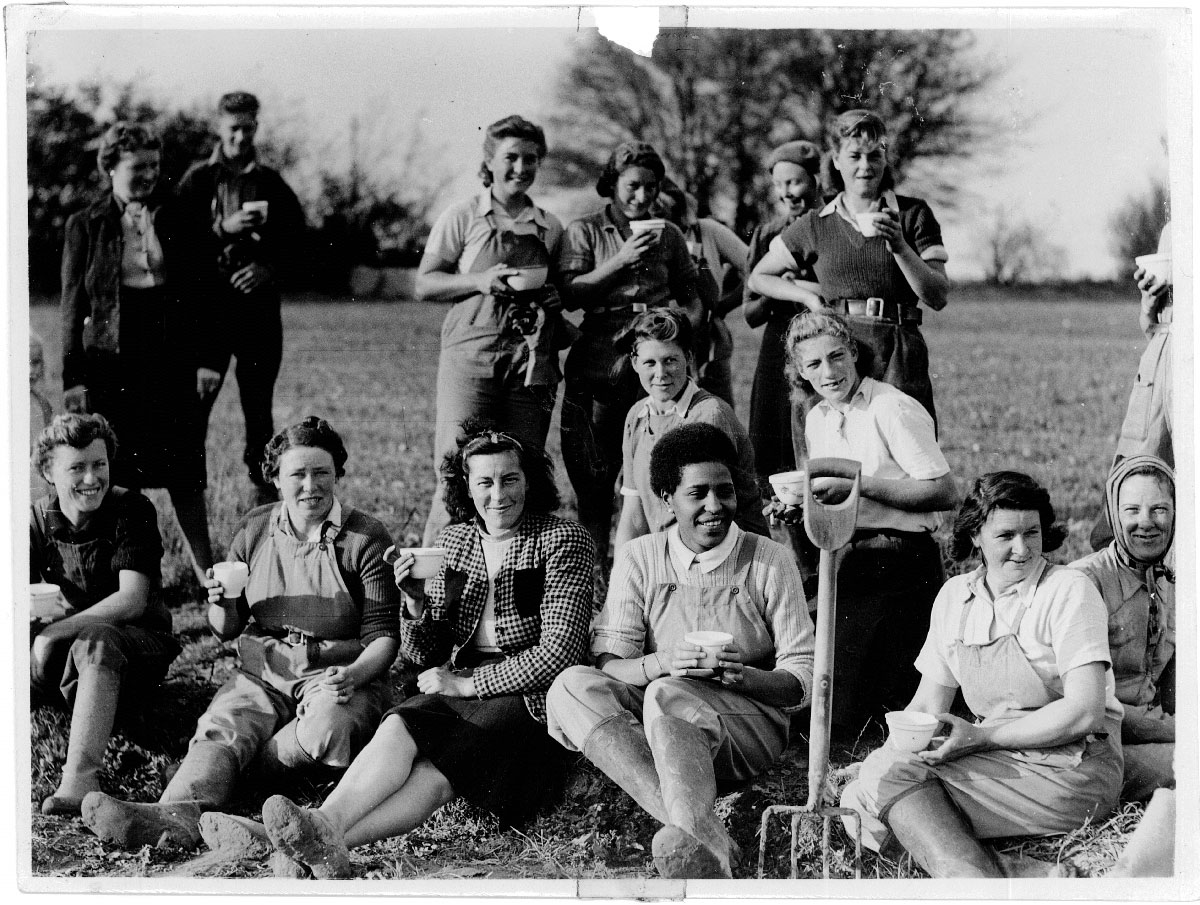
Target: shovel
x=830, y=527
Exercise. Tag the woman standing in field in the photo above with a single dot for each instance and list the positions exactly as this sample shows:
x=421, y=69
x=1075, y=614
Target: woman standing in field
x=507, y=611
x=660, y=348
x=720, y=259
x=615, y=271
x=136, y=343
x=490, y=256
x=876, y=255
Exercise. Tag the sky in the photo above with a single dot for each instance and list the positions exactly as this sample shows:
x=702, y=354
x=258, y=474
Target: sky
x=1083, y=108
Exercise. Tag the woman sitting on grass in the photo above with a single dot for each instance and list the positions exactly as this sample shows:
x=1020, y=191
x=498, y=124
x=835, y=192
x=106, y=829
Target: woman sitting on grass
x=507, y=611
x=315, y=632
x=665, y=729
x=661, y=351
x=100, y=545
x=1027, y=643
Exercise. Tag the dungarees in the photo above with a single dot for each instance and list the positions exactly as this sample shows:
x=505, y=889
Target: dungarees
x=140, y=652
x=295, y=587
x=745, y=736
x=1012, y=792
x=509, y=399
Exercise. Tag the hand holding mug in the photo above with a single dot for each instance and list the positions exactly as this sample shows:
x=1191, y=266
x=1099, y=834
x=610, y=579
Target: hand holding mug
x=402, y=563
x=492, y=280
x=686, y=660
x=240, y=221
x=637, y=247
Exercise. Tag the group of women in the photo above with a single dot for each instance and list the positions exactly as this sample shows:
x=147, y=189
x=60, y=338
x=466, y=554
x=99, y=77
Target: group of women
x=501, y=629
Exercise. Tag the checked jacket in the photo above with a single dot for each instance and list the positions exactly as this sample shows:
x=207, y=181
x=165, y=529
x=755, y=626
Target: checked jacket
x=543, y=607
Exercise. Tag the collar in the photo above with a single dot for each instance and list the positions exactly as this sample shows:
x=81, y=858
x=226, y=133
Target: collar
x=860, y=400
x=1024, y=589
x=486, y=205
x=58, y=525
x=709, y=560
x=616, y=220
x=678, y=407
x=838, y=205
x=332, y=527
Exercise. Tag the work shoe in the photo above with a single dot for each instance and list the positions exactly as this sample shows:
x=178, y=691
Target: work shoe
x=306, y=836
x=130, y=825
x=680, y=856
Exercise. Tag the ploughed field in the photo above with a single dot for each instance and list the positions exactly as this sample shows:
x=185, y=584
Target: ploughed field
x=1028, y=381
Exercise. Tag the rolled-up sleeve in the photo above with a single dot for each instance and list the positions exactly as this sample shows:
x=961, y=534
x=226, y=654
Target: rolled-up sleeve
x=576, y=251
x=620, y=629
x=790, y=624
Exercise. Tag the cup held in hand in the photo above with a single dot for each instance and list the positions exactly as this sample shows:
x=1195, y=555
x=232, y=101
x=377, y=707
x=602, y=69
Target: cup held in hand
x=427, y=560
x=789, y=487
x=257, y=207
x=527, y=278
x=909, y=730
x=1156, y=265
x=233, y=577
x=866, y=224
x=45, y=601
x=650, y=225
x=712, y=642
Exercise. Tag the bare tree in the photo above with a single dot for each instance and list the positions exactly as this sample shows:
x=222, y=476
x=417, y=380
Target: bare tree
x=1015, y=250
x=714, y=101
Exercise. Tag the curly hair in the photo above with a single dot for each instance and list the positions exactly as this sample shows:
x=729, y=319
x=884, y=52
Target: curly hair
x=689, y=444
x=124, y=138
x=625, y=155
x=807, y=325
x=510, y=127
x=477, y=439
x=1003, y=490
x=667, y=325
x=312, y=431
x=236, y=102
x=859, y=125
x=74, y=430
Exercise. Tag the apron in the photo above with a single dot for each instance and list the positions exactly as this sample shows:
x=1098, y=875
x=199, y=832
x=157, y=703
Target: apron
x=532, y=318
x=304, y=617
x=674, y=609
x=999, y=685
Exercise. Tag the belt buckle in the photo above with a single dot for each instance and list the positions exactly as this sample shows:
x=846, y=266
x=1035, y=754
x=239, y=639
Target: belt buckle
x=639, y=307
x=294, y=635
x=874, y=306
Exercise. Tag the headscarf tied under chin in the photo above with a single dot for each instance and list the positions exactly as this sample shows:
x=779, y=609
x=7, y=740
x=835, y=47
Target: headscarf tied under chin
x=1112, y=489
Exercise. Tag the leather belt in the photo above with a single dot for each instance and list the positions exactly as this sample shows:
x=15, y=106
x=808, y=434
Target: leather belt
x=635, y=307
x=877, y=308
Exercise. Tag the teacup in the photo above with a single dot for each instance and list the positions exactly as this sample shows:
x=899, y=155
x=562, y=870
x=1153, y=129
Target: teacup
x=712, y=642
x=527, y=278
x=909, y=730
x=866, y=224
x=427, y=560
x=257, y=207
x=45, y=601
x=653, y=224
x=789, y=487
x=233, y=577
x=1156, y=265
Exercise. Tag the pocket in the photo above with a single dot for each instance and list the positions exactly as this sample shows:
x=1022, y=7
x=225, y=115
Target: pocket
x=529, y=586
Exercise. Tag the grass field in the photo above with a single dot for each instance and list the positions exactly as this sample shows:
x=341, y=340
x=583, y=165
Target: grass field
x=1033, y=383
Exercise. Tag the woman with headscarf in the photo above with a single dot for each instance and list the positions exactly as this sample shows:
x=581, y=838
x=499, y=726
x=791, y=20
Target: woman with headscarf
x=614, y=271
x=1135, y=578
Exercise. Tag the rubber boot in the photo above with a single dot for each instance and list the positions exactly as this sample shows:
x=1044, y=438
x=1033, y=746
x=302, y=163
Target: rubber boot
x=92, y=718
x=689, y=790
x=203, y=782
x=619, y=748
x=306, y=836
x=234, y=837
x=932, y=830
x=277, y=760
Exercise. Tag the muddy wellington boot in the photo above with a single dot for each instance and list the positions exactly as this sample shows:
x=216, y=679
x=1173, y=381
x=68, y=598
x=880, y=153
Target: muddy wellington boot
x=203, y=782
x=933, y=831
x=306, y=836
x=619, y=748
x=694, y=844
x=92, y=717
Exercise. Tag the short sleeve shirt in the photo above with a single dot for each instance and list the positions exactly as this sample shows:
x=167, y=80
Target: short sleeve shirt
x=892, y=435
x=1064, y=626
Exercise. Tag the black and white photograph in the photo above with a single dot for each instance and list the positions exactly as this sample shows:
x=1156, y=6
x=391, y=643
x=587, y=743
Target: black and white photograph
x=761, y=439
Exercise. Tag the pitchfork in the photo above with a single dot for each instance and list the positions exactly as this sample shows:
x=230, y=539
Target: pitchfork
x=830, y=527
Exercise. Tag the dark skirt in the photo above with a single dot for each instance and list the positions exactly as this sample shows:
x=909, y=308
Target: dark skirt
x=147, y=391
x=494, y=753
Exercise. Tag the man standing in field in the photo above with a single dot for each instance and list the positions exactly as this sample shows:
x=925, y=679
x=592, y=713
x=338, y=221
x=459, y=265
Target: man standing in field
x=258, y=227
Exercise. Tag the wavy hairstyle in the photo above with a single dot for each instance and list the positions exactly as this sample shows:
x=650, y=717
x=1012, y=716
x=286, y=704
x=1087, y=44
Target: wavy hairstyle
x=857, y=125
x=510, y=127
x=809, y=324
x=74, y=430
x=625, y=155
x=312, y=431
x=124, y=138
x=694, y=443
x=479, y=439
x=1003, y=490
